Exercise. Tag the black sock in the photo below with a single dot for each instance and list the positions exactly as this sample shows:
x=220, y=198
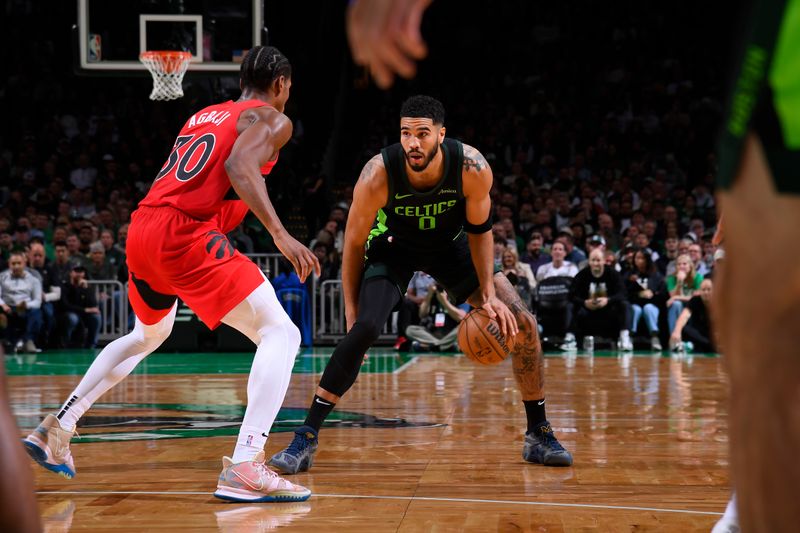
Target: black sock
x=318, y=412
x=534, y=409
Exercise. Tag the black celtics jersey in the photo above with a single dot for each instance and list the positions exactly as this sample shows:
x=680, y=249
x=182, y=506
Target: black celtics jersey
x=426, y=220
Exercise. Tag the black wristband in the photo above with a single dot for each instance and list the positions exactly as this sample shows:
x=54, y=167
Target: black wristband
x=479, y=228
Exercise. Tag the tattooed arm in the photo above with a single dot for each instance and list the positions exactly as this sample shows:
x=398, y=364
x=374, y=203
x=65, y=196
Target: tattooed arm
x=370, y=194
x=476, y=177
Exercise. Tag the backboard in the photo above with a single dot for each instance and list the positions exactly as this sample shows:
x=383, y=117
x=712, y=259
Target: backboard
x=110, y=35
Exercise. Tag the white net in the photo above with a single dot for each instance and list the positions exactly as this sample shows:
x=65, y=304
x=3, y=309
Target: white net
x=167, y=69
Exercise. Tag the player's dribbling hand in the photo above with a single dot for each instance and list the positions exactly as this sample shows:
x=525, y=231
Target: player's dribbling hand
x=302, y=259
x=505, y=318
x=384, y=36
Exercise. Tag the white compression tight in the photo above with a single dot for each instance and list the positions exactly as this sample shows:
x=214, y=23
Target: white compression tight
x=113, y=364
x=262, y=319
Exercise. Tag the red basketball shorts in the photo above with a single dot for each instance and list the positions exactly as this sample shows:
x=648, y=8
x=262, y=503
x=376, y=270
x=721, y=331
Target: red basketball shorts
x=170, y=254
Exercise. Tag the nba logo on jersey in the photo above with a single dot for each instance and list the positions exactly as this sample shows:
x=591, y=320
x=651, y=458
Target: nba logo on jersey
x=95, y=48
x=249, y=440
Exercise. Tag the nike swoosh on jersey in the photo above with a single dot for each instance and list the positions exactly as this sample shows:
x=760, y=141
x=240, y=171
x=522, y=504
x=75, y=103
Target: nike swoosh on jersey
x=401, y=196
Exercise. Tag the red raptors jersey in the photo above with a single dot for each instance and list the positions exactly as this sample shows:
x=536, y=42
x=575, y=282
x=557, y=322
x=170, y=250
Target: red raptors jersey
x=194, y=179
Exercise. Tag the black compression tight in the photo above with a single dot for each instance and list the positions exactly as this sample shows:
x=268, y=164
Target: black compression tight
x=375, y=303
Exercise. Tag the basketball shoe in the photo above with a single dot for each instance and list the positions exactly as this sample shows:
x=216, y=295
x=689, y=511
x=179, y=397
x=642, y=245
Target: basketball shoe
x=299, y=455
x=252, y=481
x=542, y=447
x=48, y=445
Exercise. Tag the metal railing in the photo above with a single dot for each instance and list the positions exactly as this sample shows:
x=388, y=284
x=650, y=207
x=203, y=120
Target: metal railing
x=327, y=311
x=112, y=299
x=328, y=318
x=268, y=263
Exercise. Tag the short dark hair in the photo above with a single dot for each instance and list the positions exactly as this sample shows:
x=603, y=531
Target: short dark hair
x=60, y=243
x=262, y=65
x=421, y=106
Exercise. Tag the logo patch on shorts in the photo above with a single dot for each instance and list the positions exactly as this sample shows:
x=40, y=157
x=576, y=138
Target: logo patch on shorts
x=220, y=242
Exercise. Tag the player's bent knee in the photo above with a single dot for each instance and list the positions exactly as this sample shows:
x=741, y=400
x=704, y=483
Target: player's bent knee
x=367, y=328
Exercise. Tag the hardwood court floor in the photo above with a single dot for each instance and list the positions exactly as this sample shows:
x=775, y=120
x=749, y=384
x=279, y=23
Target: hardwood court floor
x=426, y=444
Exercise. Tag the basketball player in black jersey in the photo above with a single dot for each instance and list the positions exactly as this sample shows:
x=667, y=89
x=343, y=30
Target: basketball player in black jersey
x=423, y=204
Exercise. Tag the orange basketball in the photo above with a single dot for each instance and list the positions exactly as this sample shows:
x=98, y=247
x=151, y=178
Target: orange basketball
x=480, y=338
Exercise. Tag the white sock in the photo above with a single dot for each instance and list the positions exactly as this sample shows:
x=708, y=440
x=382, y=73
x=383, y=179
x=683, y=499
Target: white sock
x=112, y=365
x=262, y=319
x=251, y=441
x=624, y=334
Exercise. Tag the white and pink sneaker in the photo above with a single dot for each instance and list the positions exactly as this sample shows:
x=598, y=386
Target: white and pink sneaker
x=253, y=481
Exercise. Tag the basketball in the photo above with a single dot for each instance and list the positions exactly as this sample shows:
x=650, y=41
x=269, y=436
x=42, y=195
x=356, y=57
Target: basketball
x=480, y=338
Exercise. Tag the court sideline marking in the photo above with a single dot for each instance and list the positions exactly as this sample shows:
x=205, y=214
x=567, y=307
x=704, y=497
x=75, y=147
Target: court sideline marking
x=412, y=498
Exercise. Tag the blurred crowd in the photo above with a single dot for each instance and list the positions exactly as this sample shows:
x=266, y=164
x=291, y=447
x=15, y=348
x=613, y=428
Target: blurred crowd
x=603, y=201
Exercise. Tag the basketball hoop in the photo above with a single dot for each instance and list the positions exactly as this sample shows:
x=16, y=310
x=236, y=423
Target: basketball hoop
x=167, y=68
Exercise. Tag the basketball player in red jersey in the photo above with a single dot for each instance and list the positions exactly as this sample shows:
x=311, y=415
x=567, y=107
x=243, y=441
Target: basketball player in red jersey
x=177, y=248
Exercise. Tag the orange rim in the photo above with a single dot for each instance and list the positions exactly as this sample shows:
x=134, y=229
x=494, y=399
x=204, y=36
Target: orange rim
x=168, y=61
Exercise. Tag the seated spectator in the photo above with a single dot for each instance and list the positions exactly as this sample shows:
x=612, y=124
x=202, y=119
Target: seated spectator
x=668, y=257
x=287, y=278
x=99, y=267
x=21, y=302
x=646, y=291
x=80, y=307
x=62, y=264
x=599, y=304
x=534, y=255
x=681, y=286
x=44, y=270
x=525, y=282
x=574, y=254
x=693, y=326
x=558, y=266
x=499, y=246
x=113, y=254
x=595, y=241
x=683, y=249
x=328, y=261
x=418, y=288
x=438, y=325
x=696, y=254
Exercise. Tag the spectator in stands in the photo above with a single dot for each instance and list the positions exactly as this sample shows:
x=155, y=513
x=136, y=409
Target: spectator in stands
x=80, y=307
x=574, y=254
x=592, y=243
x=693, y=326
x=558, y=266
x=114, y=256
x=418, y=288
x=605, y=225
x=696, y=254
x=84, y=175
x=47, y=274
x=122, y=238
x=62, y=264
x=668, y=257
x=328, y=261
x=646, y=292
x=598, y=303
x=500, y=245
x=534, y=255
x=287, y=278
x=438, y=324
x=681, y=286
x=99, y=267
x=21, y=302
x=520, y=275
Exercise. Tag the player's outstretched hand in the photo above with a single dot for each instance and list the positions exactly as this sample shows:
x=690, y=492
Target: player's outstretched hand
x=384, y=36
x=505, y=318
x=302, y=259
